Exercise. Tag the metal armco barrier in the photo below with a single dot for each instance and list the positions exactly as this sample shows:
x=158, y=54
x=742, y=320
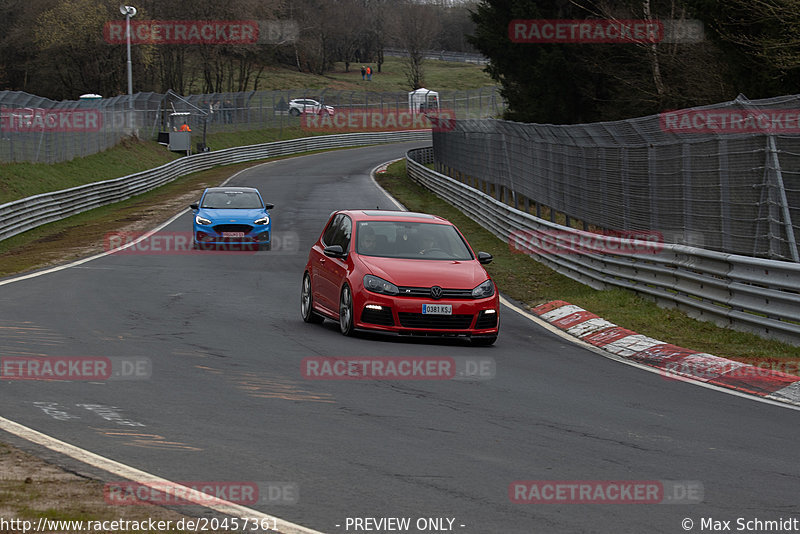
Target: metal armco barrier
x=22, y=215
x=738, y=292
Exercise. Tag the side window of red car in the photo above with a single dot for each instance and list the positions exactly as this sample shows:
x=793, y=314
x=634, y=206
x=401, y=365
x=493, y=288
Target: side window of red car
x=343, y=234
x=327, y=236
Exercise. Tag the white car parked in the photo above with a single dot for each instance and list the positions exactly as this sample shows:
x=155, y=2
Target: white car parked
x=299, y=106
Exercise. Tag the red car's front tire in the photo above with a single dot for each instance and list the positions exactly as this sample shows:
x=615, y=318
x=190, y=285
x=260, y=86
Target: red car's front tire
x=346, y=319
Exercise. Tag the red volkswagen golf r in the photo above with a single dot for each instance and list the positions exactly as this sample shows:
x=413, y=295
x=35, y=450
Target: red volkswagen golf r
x=401, y=272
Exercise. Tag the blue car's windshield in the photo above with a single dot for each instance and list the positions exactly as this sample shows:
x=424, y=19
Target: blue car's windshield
x=232, y=200
x=411, y=240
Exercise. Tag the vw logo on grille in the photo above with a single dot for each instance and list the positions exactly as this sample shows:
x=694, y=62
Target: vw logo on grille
x=436, y=292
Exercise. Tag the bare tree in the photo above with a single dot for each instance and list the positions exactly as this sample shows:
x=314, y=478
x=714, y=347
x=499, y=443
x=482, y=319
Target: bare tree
x=767, y=30
x=377, y=23
x=417, y=25
x=349, y=30
x=318, y=21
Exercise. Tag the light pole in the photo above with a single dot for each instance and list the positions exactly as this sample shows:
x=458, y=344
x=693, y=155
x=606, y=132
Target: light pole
x=129, y=12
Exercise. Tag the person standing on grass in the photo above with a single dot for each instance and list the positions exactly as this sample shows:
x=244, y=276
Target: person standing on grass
x=363, y=71
x=369, y=73
x=227, y=108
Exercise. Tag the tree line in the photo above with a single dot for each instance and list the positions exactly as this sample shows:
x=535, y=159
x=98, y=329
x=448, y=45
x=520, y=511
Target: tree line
x=749, y=48
x=56, y=48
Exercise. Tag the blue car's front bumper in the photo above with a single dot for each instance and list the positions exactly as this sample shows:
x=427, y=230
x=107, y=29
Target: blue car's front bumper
x=218, y=235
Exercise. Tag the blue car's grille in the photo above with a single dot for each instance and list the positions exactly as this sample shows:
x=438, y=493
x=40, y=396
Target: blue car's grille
x=246, y=228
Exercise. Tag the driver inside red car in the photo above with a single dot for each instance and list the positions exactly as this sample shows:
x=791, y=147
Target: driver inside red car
x=428, y=243
x=367, y=240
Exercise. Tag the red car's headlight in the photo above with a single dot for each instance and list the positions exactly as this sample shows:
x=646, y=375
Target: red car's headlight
x=484, y=290
x=379, y=285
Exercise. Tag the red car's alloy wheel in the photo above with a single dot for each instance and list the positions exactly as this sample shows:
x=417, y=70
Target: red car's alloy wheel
x=346, y=311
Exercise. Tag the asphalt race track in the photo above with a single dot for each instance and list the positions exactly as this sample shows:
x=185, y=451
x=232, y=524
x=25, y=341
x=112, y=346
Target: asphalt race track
x=226, y=400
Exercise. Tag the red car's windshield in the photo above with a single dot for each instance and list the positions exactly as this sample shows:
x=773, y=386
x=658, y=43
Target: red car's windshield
x=411, y=240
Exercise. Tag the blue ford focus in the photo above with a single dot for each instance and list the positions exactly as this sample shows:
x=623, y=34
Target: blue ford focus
x=235, y=218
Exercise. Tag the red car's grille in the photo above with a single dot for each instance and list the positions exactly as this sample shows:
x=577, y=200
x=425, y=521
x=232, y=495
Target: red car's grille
x=406, y=291
x=435, y=322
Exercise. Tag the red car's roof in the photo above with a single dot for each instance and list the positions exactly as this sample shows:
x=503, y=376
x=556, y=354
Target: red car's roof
x=389, y=215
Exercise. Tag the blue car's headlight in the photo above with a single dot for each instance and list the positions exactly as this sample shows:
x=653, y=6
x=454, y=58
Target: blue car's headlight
x=484, y=290
x=263, y=220
x=201, y=220
x=379, y=285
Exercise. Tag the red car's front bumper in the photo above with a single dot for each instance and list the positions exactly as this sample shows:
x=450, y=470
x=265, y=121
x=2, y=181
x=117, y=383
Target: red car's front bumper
x=403, y=315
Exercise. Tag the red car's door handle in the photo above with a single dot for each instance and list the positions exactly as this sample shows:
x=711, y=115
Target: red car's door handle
x=322, y=260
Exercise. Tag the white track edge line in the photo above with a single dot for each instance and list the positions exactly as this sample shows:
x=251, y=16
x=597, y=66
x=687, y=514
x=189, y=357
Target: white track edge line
x=382, y=190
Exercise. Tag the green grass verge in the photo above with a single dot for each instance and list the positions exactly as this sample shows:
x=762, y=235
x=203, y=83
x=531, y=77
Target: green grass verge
x=20, y=180
x=532, y=283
